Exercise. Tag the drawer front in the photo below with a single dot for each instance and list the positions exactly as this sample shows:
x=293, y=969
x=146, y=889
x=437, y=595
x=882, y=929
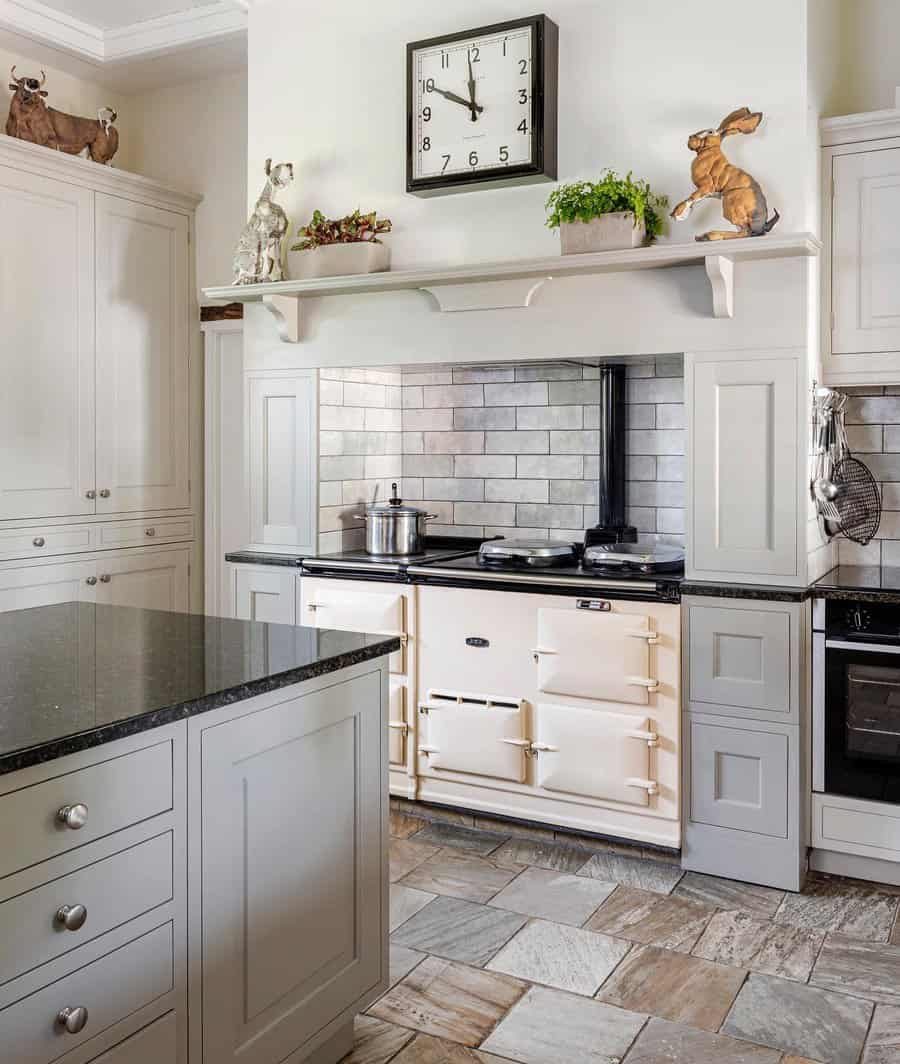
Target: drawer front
x=329, y=604
x=741, y=658
x=41, y=542
x=110, y=988
x=146, y=533
x=156, y=1044
x=117, y=793
x=739, y=778
x=31, y=928
x=851, y=826
x=592, y=753
x=480, y=739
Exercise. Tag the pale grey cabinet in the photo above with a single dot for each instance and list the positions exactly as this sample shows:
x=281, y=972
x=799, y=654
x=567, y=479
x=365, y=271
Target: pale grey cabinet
x=290, y=812
x=744, y=764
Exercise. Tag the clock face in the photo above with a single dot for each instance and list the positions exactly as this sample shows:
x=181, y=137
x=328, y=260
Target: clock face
x=476, y=106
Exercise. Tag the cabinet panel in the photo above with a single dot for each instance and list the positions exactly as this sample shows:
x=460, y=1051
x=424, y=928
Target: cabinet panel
x=265, y=594
x=143, y=355
x=744, y=487
x=281, y=427
x=46, y=585
x=739, y=778
x=156, y=1044
x=47, y=336
x=291, y=807
x=866, y=252
x=152, y=580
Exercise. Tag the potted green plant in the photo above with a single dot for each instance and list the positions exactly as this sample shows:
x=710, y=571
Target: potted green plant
x=335, y=247
x=610, y=213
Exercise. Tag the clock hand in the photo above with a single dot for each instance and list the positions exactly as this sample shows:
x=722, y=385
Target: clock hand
x=456, y=99
x=472, y=105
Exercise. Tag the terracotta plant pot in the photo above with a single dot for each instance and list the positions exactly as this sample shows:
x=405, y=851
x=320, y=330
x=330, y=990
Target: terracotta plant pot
x=339, y=260
x=609, y=232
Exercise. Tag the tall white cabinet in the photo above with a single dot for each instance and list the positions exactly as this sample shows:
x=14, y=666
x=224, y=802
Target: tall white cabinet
x=100, y=413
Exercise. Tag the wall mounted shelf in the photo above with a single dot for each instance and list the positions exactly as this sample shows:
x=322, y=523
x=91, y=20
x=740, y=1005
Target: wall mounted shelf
x=498, y=285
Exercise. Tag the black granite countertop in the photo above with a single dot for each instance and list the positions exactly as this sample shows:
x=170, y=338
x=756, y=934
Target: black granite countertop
x=759, y=592
x=76, y=675
x=255, y=557
x=862, y=583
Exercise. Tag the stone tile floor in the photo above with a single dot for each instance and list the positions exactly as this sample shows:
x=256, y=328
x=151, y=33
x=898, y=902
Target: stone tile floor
x=542, y=951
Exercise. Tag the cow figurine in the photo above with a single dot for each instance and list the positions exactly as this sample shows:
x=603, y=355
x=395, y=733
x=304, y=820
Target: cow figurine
x=31, y=119
x=257, y=257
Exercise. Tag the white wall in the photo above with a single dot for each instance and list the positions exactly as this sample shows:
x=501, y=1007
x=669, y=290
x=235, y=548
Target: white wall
x=195, y=136
x=870, y=60
x=636, y=77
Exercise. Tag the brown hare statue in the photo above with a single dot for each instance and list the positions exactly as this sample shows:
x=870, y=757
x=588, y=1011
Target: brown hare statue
x=743, y=202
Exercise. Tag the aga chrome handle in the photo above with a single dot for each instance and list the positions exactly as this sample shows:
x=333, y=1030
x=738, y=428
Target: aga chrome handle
x=313, y=606
x=651, y=637
x=399, y=725
x=539, y=652
x=38, y=541
x=71, y=917
x=105, y=578
x=643, y=681
x=651, y=738
x=91, y=580
x=73, y=816
x=650, y=786
x=73, y=1021
x=90, y=494
x=104, y=493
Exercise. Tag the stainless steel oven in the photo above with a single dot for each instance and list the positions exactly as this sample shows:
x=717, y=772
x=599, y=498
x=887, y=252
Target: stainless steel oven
x=856, y=700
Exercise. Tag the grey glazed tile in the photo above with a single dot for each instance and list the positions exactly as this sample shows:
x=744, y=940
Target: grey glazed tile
x=532, y=442
x=485, y=465
x=454, y=442
x=427, y=465
x=835, y=905
x=496, y=417
x=460, y=838
x=452, y=395
x=799, y=1019
x=654, y=441
x=453, y=489
x=633, y=872
x=483, y=374
x=557, y=856
x=883, y=1043
x=550, y=417
x=670, y=467
x=529, y=515
x=406, y=853
x=745, y=941
x=556, y=896
x=663, y=1042
x=651, y=919
x=657, y=390
x=375, y=1041
x=674, y=986
x=556, y=955
x=550, y=466
x=406, y=902
x=548, y=372
x=641, y=467
x=485, y=513
x=580, y=492
x=865, y=969
x=729, y=894
x=586, y=441
x=461, y=875
x=506, y=490
x=523, y=394
x=641, y=416
x=575, y=393
x=459, y=930
x=432, y=420
x=550, y=1027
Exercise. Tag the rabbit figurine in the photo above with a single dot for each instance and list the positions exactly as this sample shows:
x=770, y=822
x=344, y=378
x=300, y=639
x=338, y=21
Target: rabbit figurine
x=743, y=202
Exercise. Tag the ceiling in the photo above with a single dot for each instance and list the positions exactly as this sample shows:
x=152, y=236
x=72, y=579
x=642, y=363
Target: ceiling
x=132, y=45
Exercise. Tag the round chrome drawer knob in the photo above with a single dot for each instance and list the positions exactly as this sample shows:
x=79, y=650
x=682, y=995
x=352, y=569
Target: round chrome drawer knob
x=104, y=493
x=38, y=541
x=73, y=816
x=71, y=917
x=90, y=494
x=151, y=532
x=105, y=578
x=91, y=580
x=73, y=1020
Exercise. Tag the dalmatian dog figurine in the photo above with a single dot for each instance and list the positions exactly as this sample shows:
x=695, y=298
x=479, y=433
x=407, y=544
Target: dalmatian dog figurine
x=257, y=257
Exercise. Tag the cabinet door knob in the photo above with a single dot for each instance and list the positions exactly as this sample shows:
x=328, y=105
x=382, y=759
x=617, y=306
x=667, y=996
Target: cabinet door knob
x=105, y=578
x=104, y=493
x=91, y=580
x=38, y=541
x=90, y=494
x=73, y=1021
x=71, y=917
x=73, y=816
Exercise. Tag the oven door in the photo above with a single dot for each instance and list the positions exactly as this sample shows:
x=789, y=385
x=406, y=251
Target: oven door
x=862, y=721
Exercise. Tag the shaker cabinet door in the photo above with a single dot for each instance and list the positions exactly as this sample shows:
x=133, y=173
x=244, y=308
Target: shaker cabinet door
x=151, y=580
x=143, y=356
x=47, y=340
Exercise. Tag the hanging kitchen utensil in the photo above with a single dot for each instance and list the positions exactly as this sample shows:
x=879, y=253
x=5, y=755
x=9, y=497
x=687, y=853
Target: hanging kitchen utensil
x=858, y=501
x=824, y=489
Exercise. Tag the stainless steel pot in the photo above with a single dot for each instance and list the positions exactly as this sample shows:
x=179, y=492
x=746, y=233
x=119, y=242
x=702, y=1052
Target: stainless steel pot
x=393, y=529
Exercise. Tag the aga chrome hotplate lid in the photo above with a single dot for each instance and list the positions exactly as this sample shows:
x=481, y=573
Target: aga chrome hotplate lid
x=646, y=559
x=526, y=552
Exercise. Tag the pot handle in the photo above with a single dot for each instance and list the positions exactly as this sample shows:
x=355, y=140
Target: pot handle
x=431, y=517
x=359, y=517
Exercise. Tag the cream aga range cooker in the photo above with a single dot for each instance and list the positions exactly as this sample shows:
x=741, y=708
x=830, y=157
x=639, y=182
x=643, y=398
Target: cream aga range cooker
x=537, y=681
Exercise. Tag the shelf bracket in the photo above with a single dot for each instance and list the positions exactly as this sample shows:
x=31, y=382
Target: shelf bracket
x=507, y=294
x=720, y=271
x=286, y=312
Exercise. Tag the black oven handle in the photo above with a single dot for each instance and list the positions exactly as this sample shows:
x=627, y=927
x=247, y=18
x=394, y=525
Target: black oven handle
x=871, y=648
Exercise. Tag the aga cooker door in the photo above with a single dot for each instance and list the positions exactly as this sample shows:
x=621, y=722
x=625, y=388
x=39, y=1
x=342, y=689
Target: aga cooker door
x=475, y=734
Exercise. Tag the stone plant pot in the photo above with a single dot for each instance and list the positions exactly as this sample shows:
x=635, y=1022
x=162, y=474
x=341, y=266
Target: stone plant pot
x=609, y=232
x=339, y=260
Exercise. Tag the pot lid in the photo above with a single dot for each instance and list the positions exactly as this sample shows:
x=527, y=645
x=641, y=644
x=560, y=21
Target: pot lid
x=394, y=505
x=526, y=548
x=634, y=554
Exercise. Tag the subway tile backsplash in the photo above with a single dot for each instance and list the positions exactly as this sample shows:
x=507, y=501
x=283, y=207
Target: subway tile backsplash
x=498, y=449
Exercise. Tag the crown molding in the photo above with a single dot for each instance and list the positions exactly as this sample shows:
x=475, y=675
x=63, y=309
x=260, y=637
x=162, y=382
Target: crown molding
x=168, y=33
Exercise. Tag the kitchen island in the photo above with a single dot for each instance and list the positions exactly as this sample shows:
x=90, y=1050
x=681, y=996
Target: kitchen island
x=193, y=836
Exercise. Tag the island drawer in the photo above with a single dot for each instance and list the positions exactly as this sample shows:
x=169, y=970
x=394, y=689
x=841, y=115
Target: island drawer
x=33, y=1031
x=110, y=795
x=156, y=1044
x=33, y=925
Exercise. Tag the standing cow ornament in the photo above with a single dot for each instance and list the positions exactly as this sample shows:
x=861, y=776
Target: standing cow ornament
x=258, y=255
x=31, y=119
x=743, y=202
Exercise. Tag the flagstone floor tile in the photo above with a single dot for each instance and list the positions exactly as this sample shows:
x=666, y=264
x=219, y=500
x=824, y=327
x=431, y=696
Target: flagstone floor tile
x=550, y=1027
x=633, y=872
x=402, y=961
x=568, y=958
x=554, y=896
x=729, y=894
x=839, y=906
x=460, y=838
x=674, y=986
x=556, y=856
x=461, y=875
x=651, y=919
x=406, y=902
x=799, y=1019
x=865, y=969
x=424, y=1049
x=883, y=1043
x=403, y=825
x=664, y=1042
x=744, y=941
x=405, y=855
x=375, y=1042
x=450, y=1000
x=459, y=930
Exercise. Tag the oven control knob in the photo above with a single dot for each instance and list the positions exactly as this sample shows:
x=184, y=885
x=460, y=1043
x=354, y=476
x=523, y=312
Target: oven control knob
x=858, y=619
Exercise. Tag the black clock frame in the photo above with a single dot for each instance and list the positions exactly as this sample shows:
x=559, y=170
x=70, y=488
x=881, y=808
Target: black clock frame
x=545, y=64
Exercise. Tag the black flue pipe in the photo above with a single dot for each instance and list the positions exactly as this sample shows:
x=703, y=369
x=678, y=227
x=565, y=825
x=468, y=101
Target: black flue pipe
x=611, y=526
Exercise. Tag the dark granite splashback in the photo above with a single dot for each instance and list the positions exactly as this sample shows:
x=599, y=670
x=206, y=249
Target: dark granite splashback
x=77, y=674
